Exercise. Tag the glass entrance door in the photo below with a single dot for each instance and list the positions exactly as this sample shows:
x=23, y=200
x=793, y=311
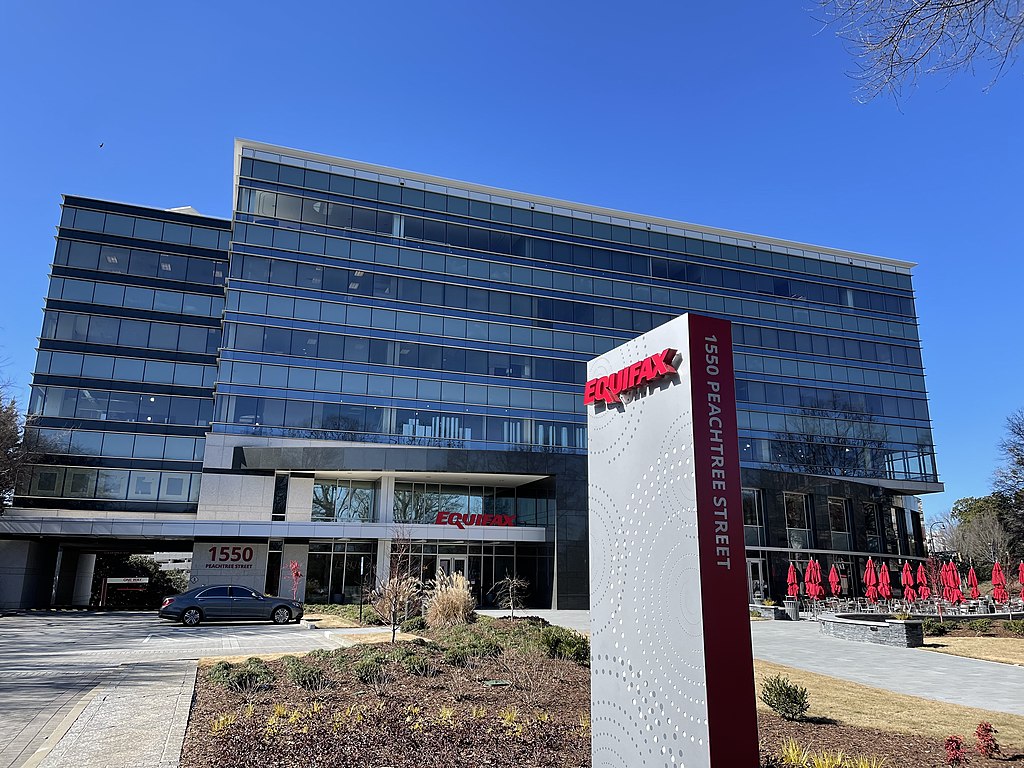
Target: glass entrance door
x=452, y=565
x=757, y=584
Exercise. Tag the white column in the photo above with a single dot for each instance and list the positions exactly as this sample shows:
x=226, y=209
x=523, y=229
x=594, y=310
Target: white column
x=299, y=505
x=383, y=560
x=83, y=580
x=386, y=500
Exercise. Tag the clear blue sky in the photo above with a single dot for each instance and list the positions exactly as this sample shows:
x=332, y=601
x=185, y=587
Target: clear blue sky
x=738, y=115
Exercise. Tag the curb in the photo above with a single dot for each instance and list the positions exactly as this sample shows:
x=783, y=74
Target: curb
x=61, y=731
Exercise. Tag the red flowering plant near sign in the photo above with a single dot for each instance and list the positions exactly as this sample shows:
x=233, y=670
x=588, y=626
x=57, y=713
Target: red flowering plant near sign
x=296, y=572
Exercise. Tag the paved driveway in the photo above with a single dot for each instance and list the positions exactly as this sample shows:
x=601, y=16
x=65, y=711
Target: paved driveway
x=49, y=660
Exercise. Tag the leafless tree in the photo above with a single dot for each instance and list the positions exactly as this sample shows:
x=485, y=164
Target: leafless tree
x=510, y=593
x=393, y=599
x=981, y=539
x=1008, y=482
x=896, y=41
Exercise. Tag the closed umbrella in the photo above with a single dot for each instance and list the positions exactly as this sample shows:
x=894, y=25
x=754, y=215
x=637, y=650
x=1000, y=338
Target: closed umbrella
x=972, y=582
x=999, y=593
x=884, y=582
x=907, y=581
x=792, y=583
x=955, y=594
x=1020, y=578
x=944, y=578
x=871, y=582
x=923, y=590
x=834, y=582
x=812, y=581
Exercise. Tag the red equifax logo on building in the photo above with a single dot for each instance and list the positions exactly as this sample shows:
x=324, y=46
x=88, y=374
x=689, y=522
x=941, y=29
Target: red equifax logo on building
x=461, y=520
x=646, y=371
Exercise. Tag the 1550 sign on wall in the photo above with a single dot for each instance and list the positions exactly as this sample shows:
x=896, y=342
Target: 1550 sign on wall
x=230, y=557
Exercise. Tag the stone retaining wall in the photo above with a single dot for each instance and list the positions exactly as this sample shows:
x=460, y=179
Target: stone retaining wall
x=900, y=634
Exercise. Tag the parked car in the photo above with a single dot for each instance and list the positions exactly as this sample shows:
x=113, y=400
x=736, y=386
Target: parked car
x=228, y=603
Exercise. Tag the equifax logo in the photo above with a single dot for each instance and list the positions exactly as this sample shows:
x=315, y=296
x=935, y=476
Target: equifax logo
x=650, y=369
x=461, y=520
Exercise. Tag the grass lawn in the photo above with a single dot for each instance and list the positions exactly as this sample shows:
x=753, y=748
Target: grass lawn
x=1007, y=650
x=866, y=707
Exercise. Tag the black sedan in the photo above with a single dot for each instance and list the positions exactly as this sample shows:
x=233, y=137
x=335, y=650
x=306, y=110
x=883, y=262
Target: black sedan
x=228, y=603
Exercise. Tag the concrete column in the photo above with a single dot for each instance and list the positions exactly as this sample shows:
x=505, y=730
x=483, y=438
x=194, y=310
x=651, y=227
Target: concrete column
x=299, y=506
x=26, y=573
x=64, y=576
x=83, y=581
x=383, y=560
x=386, y=501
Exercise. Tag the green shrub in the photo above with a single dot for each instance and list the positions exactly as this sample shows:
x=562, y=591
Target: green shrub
x=305, y=675
x=401, y=651
x=415, y=624
x=251, y=677
x=981, y=626
x=563, y=643
x=422, y=666
x=787, y=700
x=1016, y=626
x=220, y=672
x=369, y=669
x=934, y=628
x=456, y=657
x=322, y=654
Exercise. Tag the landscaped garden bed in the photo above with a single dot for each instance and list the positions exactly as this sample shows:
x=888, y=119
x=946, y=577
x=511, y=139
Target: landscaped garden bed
x=491, y=694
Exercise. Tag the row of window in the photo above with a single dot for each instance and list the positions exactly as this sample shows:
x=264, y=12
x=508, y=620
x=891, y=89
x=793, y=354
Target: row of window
x=116, y=444
x=829, y=345
x=639, y=235
x=838, y=404
x=126, y=369
x=336, y=501
x=832, y=428
x=342, y=420
x=504, y=274
x=134, y=297
x=122, y=332
x=823, y=372
x=101, y=405
x=268, y=207
x=111, y=484
x=407, y=355
x=428, y=389
x=839, y=458
x=134, y=261
x=144, y=229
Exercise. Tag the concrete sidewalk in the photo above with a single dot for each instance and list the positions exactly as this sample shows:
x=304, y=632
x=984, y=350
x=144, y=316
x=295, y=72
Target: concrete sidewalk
x=137, y=719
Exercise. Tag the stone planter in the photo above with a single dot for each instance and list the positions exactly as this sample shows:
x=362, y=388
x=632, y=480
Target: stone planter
x=774, y=612
x=868, y=628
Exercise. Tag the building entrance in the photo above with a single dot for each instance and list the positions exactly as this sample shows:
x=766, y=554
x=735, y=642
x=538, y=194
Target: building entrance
x=452, y=565
x=757, y=584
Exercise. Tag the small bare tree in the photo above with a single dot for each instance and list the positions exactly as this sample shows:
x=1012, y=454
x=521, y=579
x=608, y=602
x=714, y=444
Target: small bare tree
x=510, y=593
x=394, y=598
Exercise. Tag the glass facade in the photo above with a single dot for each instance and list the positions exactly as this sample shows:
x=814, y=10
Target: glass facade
x=122, y=394
x=392, y=314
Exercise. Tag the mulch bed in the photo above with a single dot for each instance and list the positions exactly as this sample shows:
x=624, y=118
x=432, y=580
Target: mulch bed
x=536, y=715
x=960, y=628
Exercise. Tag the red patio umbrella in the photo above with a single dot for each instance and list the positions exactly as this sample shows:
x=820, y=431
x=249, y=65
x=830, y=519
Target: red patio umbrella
x=884, y=582
x=812, y=581
x=955, y=594
x=871, y=582
x=999, y=593
x=972, y=582
x=907, y=580
x=792, y=583
x=944, y=578
x=923, y=590
x=1020, y=578
x=834, y=582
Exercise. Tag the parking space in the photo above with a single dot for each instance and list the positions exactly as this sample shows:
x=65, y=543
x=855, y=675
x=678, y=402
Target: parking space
x=51, y=659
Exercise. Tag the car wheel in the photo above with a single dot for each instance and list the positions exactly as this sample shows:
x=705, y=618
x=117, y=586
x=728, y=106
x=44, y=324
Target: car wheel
x=191, y=617
x=281, y=615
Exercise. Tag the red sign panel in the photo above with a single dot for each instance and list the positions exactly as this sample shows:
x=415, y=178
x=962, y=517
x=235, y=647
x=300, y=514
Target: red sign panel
x=463, y=520
x=646, y=371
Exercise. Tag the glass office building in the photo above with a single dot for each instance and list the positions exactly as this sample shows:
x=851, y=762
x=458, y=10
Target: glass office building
x=396, y=365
